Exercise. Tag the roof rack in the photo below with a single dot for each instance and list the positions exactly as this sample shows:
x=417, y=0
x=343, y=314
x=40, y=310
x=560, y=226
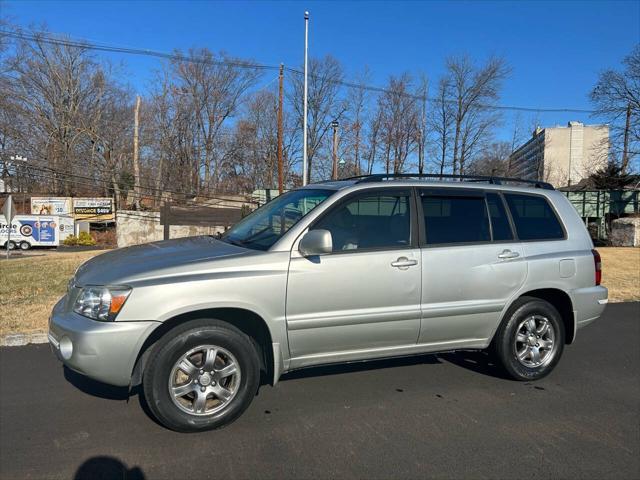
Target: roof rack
x=379, y=177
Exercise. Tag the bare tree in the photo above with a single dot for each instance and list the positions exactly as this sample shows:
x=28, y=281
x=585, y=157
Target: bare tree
x=213, y=86
x=472, y=88
x=57, y=90
x=441, y=124
x=325, y=104
x=616, y=97
x=400, y=122
x=492, y=160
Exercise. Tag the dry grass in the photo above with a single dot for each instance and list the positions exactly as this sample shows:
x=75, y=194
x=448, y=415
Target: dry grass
x=621, y=273
x=29, y=287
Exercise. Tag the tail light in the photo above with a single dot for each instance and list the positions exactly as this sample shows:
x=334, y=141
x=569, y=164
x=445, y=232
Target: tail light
x=598, y=264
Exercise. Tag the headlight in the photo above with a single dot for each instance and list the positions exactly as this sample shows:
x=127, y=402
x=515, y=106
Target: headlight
x=101, y=303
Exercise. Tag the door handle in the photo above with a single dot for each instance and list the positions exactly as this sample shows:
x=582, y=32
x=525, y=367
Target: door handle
x=508, y=254
x=404, y=263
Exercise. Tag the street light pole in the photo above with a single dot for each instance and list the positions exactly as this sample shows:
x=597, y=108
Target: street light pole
x=334, y=173
x=304, y=116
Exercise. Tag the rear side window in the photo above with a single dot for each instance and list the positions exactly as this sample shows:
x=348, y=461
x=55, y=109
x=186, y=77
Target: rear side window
x=534, y=218
x=499, y=219
x=455, y=219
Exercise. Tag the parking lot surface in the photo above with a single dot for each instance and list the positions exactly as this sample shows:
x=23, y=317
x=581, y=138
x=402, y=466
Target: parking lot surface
x=441, y=416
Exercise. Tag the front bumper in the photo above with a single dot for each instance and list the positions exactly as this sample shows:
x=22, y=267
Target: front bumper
x=104, y=351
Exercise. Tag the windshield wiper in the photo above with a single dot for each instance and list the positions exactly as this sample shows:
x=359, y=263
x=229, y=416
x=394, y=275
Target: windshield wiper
x=237, y=243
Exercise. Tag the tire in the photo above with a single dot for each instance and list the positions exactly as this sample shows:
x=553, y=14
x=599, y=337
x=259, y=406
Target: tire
x=170, y=367
x=517, y=339
x=11, y=245
x=25, y=246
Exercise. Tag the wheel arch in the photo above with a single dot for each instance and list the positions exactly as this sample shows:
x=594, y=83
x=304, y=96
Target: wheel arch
x=247, y=321
x=560, y=300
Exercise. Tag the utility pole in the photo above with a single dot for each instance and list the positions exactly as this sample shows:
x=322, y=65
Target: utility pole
x=625, y=146
x=304, y=115
x=136, y=163
x=334, y=173
x=280, y=97
x=423, y=128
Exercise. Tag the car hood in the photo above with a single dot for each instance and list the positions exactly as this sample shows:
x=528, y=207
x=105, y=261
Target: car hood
x=152, y=260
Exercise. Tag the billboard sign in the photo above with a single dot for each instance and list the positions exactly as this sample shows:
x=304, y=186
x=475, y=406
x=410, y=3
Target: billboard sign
x=51, y=206
x=93, y=209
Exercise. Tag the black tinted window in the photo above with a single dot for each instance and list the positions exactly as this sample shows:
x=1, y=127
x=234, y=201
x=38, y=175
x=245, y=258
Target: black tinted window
x=499, y=219
x=370, y=221
x=533, y=217
x=455, y=219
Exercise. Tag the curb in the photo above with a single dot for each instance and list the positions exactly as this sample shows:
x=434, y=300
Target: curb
x=20, y=339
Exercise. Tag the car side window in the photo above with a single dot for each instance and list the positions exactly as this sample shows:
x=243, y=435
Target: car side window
x=499, y=220
x=533, y=217
x=372, y=220
x=455, y=219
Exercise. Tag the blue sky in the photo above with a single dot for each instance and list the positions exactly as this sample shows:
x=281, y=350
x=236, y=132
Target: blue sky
x=555, y=49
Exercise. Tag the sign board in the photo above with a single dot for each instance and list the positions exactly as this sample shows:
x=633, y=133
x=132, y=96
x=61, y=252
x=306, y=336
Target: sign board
x=93, y=209
x=51, y=206
x=89, y=209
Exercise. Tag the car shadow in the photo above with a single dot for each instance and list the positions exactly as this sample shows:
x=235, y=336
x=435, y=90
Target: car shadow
x=107, y=468
x=476, y=361
x=96, y=388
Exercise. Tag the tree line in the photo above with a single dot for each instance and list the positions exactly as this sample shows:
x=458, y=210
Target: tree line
x=209, y=122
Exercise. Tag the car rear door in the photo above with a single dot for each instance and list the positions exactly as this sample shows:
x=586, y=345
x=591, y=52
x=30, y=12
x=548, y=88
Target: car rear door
x=471, y=264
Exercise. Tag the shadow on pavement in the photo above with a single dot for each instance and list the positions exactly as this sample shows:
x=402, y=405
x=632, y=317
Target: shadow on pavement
x=107, y=468
x=476, y=361
x=95, y=388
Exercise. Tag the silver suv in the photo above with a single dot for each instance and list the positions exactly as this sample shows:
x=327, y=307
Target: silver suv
x=365, y=268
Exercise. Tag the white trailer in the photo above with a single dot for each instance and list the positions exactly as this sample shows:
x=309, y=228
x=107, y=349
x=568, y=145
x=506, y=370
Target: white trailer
x=35, y=231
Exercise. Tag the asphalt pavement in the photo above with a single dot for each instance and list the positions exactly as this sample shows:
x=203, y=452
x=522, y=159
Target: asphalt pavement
x=432, y=416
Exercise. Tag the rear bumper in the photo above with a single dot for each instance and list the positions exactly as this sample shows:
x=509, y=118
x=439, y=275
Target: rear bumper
x=588, y=304
x=104, y=351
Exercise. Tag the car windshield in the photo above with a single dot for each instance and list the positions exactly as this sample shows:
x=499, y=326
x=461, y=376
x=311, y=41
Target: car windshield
x=266, y=225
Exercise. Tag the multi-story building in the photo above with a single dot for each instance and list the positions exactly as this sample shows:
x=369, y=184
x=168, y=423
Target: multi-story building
x=562, y=155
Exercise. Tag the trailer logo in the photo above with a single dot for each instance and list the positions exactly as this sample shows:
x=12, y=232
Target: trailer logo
x=26, y=230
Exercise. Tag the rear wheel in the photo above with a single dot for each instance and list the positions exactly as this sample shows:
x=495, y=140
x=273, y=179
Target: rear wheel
x=25, y=245
x=530, y=341
x=202, y=375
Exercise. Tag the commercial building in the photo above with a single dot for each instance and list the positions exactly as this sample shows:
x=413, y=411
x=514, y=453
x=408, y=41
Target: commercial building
x=562, y=155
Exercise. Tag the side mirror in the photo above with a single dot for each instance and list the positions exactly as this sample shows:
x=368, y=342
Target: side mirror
x=316, y=242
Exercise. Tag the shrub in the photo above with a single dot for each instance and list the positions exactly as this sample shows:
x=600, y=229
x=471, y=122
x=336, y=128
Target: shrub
x=86, y=240
x=70, y=241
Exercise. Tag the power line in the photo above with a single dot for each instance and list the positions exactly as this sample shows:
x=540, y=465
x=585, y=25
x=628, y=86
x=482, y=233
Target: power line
x=92, y=181
x=57, y=40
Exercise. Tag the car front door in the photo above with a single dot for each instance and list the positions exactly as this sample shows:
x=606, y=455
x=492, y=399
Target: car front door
x=365, y=295
x=471, y=265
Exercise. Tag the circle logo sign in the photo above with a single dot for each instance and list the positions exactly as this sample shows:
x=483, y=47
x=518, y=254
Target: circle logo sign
x=26, y=230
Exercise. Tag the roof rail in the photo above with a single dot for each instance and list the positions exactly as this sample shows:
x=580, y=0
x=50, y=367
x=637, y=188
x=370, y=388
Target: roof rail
x=379, y=177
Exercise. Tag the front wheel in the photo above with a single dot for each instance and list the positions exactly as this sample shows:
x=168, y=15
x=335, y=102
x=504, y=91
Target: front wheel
x=202, y=375
x=530, y=341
